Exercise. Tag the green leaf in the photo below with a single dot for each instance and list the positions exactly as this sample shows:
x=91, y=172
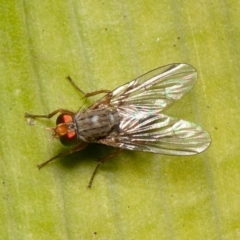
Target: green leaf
x=102, y=45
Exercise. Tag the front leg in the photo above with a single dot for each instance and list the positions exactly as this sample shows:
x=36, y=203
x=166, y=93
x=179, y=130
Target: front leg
x=50, y=115
x=79, y=147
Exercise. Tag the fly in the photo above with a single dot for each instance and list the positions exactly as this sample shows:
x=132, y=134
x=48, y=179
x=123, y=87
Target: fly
x=130, y=117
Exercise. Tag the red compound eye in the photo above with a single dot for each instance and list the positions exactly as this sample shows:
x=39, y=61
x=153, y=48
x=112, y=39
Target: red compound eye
x=69, y=139
x=64, y=118
x=65, y=126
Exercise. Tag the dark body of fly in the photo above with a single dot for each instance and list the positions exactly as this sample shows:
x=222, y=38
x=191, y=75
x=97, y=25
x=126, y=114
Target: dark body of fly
x=94, y=124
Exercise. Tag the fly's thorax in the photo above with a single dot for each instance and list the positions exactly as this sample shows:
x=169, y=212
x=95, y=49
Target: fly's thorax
x=95, y=124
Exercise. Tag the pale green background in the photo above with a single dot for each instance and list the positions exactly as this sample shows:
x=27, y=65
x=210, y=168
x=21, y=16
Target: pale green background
x=103, y=44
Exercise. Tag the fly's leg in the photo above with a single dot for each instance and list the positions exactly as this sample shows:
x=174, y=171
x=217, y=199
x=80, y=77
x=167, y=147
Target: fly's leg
x=86, y=94
x=105, y=100
x=79, y=147
x=50, y=114
x=100, y=162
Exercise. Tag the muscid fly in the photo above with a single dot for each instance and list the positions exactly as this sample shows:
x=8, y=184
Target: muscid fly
x=130, y=117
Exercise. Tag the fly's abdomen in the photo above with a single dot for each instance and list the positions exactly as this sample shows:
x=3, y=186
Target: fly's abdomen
x=94, y=124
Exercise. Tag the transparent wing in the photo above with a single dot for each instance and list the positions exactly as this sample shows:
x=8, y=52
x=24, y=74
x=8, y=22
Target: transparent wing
x=157, y=89
x=142, y=127
x=159, y=133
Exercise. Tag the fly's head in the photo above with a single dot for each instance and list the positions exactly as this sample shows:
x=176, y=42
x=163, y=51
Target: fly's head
x=65, y=130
